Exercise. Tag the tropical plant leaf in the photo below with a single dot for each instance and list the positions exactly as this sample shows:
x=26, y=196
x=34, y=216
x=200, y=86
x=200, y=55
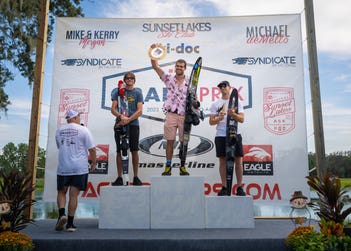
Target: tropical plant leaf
x=329, y=205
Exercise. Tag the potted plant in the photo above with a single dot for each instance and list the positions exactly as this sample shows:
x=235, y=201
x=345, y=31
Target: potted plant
x=15, y=188
x=330, y=208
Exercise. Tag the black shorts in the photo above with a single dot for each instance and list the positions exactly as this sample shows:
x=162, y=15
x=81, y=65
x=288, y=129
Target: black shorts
x=78, y=181
x=220, y=147
x=133, y=138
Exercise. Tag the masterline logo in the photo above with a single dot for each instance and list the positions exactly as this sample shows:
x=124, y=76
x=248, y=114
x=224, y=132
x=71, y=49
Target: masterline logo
x=155, y=145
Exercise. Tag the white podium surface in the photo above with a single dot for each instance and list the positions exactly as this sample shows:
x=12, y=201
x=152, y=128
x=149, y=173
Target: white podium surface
x=124, y=207
x=229, y=212
x=177, y=202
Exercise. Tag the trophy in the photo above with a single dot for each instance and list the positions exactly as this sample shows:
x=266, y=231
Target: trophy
x=157, y=52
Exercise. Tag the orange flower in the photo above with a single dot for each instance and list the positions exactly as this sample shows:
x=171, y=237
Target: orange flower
x=15, y=241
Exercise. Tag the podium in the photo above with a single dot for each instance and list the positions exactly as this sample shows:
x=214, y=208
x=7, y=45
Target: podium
x=124, y=207
x=172, y=202
x=177, y=202
x=229, y=212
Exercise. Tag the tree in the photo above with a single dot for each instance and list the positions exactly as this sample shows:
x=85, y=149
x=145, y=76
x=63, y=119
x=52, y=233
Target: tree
x=18, y=35
x=15, y=157
x=337, y=163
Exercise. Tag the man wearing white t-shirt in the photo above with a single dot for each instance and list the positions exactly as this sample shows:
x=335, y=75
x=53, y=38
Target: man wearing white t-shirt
x=218, y=116
x=74, y=143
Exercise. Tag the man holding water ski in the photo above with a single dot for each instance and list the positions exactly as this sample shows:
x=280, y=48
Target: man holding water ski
x=135, y=109
x=218, y=117
x=174, y=105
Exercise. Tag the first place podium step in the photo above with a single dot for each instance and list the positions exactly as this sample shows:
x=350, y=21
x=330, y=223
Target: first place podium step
x=177, y=202
x=172, y=203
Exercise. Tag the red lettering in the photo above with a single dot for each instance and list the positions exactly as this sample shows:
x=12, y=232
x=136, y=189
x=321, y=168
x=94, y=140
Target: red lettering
x=256, y=194
x=278, y=39
x=184, y=34
x=164, y=34
x=89, y=191
x=257, y=191
x=207, y=188
x=92, y=42
x=101, y=184
x=266, y=190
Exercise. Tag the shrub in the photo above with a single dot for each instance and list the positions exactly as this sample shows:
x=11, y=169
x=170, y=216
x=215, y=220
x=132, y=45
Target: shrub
x=304, y=238
x=13, y=241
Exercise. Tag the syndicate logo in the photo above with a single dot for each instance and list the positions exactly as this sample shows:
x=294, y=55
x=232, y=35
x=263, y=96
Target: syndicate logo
x=100, y=62
x=274, y=61
x=267, y=34
x=155, y=145
x=257, y=160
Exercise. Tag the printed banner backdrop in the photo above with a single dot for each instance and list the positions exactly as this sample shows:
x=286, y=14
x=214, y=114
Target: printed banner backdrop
x=259, y=55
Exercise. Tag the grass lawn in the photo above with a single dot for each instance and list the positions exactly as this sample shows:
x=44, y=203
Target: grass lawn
x=345, y=181
x=39, y=186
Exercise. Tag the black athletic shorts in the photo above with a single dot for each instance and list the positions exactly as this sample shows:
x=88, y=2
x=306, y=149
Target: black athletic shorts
x=133, y=138
x=220, y=147
x=78, y=181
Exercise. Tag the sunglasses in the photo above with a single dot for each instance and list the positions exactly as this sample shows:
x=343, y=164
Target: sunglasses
x=221, y=86
x=129, y=78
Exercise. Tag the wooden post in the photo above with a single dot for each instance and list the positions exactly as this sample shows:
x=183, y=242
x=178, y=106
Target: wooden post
x=37, y=96
x=315, y=90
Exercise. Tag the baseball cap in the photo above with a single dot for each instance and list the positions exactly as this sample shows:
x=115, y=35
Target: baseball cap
x=72, y=113
x=223, y=83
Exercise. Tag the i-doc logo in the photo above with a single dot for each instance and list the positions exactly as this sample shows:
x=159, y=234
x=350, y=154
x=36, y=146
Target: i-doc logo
x=182, y=48
x=155, y=145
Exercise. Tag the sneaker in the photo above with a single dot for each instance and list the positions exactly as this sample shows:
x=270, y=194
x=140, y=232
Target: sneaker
x=168, y=171
x=71, y=228
x=61, y=221
x=137, y=181
x=118, y=182
x=223, y=192
x=240, y=191
x=183, y=172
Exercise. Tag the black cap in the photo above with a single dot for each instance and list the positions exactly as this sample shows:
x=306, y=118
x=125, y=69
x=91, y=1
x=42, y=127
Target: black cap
x=223, y=83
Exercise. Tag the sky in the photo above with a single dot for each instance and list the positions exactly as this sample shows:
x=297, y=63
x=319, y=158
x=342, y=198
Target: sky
x=333, y=36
